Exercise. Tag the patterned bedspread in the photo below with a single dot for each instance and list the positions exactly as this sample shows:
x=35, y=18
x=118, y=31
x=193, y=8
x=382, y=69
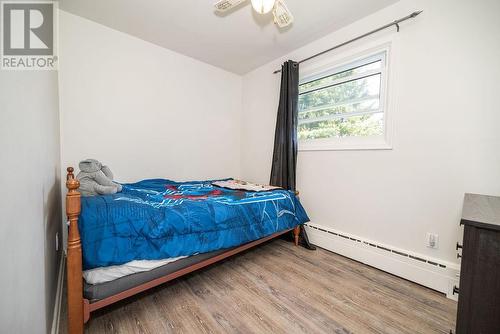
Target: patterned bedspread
x=158, y=219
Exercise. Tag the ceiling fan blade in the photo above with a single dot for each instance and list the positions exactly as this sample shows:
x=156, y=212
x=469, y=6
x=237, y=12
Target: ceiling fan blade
x=282, y=15
x=222, y=6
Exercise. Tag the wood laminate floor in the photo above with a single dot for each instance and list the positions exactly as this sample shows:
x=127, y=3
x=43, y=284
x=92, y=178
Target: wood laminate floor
x=280, y=288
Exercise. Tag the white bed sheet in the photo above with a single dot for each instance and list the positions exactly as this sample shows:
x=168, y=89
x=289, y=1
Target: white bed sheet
x=107, y=274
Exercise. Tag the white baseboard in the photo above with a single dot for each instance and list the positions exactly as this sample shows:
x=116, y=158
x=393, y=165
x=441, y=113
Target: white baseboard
x=59, y=294
x=433, y=273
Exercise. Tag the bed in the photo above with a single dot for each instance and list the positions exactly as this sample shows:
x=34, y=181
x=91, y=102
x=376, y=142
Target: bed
x=178, y=226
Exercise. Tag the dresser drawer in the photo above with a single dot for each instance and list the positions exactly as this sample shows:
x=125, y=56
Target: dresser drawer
x=479, y=293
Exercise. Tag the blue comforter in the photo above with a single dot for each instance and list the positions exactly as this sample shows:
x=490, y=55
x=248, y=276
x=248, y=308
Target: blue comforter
x=157, y=219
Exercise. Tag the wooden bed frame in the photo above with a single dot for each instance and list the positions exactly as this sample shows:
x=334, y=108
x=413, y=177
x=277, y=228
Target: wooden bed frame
x=79, y=308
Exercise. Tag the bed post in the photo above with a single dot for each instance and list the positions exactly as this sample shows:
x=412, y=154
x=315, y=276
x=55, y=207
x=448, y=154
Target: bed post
x=74, y=257
x=296, y=230
x=296, y=233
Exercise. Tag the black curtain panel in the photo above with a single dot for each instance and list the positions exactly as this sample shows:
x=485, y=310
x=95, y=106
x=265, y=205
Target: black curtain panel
x=283, y=171
x=285, y=137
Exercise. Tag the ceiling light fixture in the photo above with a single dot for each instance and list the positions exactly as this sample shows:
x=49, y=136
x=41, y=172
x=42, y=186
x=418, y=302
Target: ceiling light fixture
x=263, y=6
x=282, y=16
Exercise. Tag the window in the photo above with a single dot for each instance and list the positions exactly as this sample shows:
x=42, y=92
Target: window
x=344, y=107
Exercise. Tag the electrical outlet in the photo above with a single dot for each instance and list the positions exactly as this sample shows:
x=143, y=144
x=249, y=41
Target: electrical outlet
x=432, y=240
x=57, y=241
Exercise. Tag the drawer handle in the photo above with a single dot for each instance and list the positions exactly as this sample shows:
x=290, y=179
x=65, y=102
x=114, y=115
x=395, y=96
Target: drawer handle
x=458, y=246
x=455, y=290
x=458, y=255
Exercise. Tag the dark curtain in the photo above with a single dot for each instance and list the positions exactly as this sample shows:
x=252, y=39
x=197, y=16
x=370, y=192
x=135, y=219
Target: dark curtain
x=285, y=136
x=283, y=171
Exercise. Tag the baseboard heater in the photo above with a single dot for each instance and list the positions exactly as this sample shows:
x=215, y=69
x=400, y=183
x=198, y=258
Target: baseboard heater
x=433, y=273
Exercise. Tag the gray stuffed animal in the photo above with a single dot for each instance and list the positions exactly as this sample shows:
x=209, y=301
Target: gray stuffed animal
x=96, y=179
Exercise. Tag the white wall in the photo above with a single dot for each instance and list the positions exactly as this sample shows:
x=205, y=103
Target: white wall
x=446, y=122
x=144, y=110
x=30, y=196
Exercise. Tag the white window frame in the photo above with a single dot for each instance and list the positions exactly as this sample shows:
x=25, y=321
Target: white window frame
x=337, y=64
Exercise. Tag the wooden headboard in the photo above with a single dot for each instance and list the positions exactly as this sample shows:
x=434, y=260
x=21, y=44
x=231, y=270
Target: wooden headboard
x=74, y=257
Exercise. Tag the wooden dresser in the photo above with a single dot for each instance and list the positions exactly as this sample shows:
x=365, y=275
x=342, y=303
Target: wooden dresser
x=479, y=292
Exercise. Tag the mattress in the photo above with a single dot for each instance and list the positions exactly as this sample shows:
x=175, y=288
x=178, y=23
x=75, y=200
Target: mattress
x=111, y=273
x=159, y=219
x=95, y=292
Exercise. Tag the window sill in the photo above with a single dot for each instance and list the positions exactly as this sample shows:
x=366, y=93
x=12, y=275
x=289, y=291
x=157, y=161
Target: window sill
x=344, y=147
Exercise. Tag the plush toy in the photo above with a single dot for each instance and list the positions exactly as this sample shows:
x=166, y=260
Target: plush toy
x=96, y=179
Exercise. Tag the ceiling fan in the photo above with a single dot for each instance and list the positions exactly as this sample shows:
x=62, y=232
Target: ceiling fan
x=282, y=16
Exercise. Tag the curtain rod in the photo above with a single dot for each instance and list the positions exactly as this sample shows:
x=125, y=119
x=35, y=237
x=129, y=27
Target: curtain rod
x=395, y=23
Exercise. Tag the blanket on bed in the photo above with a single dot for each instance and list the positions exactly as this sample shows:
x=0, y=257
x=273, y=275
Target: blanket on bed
x=158, y=219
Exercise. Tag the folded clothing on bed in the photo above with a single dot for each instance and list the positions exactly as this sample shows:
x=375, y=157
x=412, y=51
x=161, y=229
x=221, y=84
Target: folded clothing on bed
x=160, y=219
x=243, y=185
